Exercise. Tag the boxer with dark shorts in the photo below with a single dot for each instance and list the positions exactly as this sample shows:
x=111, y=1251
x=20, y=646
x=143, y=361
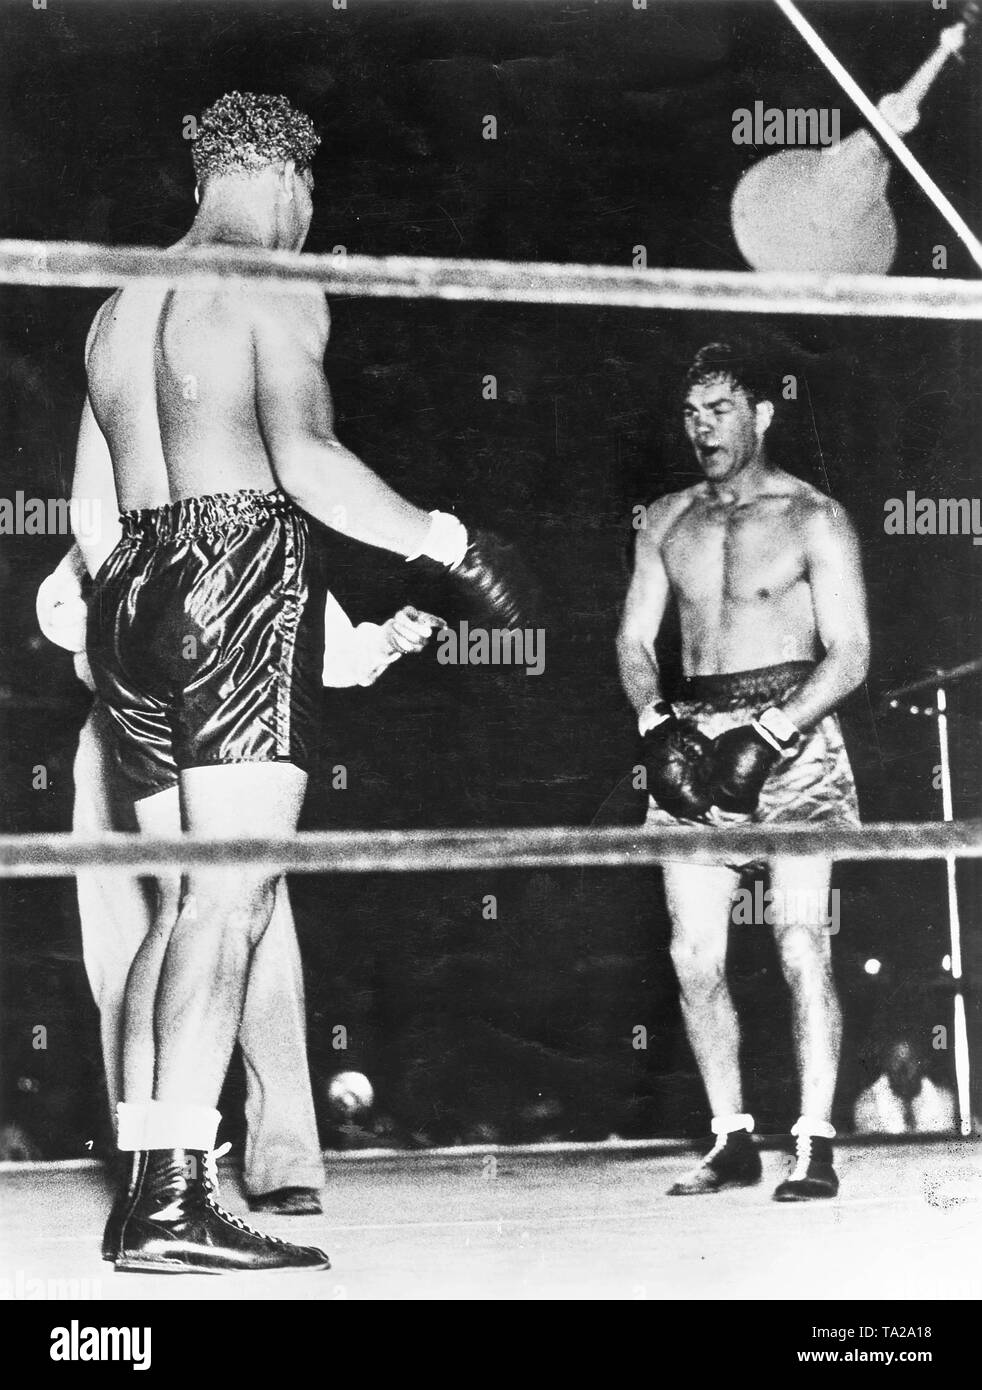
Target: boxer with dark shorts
x=209, y=425
x=764, y=570
x=206, y=636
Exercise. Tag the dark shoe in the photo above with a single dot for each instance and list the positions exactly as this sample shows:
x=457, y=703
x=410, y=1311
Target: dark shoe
x=288, y=1201
x=733, y=1161
x=124, y=1195
x=813, y=1174
x=174, y=1225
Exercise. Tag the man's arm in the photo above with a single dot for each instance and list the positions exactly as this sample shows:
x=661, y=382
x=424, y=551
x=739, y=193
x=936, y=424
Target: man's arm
x=296, y=415
x=839, y=603
x=359, y=655
x=644, y=609
x=95, y=509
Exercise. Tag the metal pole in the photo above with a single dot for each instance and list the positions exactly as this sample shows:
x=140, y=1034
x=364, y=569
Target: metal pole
x=954, y=923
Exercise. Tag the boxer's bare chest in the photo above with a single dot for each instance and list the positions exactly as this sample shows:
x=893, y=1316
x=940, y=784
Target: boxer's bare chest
x=736, y=552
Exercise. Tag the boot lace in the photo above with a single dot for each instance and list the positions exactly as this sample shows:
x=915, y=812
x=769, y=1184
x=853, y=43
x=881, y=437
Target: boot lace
x=209, y=1189
x=803, y=1154
x=704, y=1162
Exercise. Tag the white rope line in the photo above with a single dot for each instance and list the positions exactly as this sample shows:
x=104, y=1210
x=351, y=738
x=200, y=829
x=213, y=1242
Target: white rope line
x=399, y=851
x=85, y=265
x=670, y=1147
x=883, y=129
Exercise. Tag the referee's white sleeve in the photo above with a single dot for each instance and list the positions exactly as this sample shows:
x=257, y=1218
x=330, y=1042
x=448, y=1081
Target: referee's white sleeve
x=353, y=655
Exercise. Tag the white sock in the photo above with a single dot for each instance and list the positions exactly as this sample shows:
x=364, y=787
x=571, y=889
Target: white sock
x=130, y=1126
x=819, y=1129
x=159, y=1124
x=729, y=1124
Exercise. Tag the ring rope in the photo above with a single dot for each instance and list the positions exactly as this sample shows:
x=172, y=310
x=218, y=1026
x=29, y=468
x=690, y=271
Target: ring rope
x=397, y=851
x=88, y=265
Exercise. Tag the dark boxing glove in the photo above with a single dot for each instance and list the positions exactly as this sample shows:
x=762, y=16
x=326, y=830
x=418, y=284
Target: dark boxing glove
x=487, y=572
x=676, y=763
x=743, y=758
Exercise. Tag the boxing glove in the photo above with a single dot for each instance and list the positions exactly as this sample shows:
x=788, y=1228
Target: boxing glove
x=487, y=573
x=61, y=610
x=743, y=758
x=676, y=763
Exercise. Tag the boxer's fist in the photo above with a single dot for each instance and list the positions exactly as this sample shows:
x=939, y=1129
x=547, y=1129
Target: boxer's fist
x=676, y=763
x=742, y=760
x=409, y=630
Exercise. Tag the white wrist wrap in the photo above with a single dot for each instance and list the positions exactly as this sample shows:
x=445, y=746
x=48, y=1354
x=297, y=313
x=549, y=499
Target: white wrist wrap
x=776, y=728
x=445, y=542
x=650, y=717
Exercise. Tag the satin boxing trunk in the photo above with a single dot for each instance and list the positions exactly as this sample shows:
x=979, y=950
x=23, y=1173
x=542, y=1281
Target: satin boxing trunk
x=206, y=637
x=814, y=786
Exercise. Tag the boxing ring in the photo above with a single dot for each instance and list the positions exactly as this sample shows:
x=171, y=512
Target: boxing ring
x=570, y=1221
x=561, y=1221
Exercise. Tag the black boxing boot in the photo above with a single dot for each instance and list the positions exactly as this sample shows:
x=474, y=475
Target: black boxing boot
x=733, y=1161
x=125, y=1192
x=175, y=1225
x=132, y=1119
x=813, y=1175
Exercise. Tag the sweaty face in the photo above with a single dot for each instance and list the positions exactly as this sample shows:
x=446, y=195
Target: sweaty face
x=723, y=427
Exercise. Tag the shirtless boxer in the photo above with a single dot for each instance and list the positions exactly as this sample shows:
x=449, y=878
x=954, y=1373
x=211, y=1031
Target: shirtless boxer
x=766, y=574
x=209, y=424
x=282, y=1169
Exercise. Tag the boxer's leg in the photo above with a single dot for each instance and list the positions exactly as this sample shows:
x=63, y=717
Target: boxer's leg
x=170, y=1216
x=699, y=900
x=282, y=1144
x=224, y=913
x=158, y=815
x=802, y=930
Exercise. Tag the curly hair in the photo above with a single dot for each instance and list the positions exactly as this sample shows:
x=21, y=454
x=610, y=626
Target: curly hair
x=245, y=131
x=746, y=365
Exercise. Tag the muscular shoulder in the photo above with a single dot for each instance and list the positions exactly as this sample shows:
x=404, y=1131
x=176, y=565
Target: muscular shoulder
x=662, y=514
x=814, y=512
x=825, y=525
x=303, y=315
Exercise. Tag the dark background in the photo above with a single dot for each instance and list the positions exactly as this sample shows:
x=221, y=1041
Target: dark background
x=614, y=131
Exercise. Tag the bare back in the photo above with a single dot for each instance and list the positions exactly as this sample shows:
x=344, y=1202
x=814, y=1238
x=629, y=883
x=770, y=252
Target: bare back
x=172, y=386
